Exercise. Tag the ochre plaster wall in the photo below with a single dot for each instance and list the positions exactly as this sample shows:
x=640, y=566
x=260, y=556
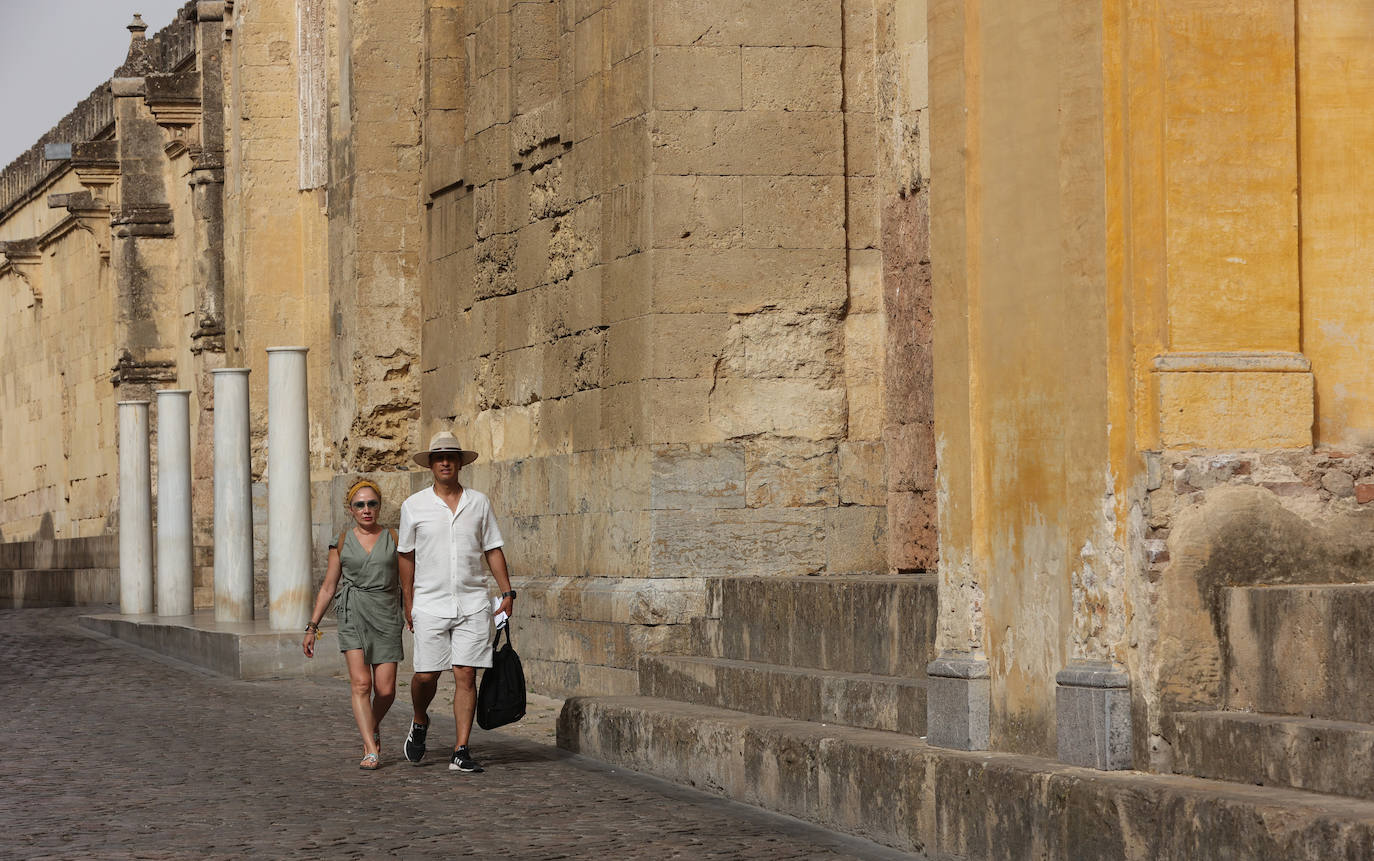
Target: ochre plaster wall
x=1335, y=73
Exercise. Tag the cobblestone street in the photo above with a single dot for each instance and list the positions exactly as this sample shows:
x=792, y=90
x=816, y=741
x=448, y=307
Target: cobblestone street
x=118, y=754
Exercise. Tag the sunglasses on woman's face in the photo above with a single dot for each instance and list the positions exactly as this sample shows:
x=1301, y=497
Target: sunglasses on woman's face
x=367, y=503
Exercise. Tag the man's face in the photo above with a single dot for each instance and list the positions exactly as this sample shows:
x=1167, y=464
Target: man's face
x=444, y=465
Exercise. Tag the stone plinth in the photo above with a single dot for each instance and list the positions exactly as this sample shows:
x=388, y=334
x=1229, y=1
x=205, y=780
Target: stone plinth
x=240, y=650
x=1093, y=711
x=957, y=703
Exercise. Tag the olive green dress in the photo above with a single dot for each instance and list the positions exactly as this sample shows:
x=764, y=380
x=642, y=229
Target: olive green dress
x=368, y=603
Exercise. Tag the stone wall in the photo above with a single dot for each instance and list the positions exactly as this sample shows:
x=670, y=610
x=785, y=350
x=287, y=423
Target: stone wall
x=655, y=299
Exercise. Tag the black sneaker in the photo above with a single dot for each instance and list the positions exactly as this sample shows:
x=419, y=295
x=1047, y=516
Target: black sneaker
x=415, y=742
x=462, y=761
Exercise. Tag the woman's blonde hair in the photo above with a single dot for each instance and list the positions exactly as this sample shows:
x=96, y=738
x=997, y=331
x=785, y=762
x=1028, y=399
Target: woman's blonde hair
x=359, y=485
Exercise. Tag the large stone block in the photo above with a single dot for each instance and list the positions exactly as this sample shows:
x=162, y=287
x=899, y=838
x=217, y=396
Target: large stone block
x=912, y=531
x=856, y=540
x=792, y=79
x=697, y=78
x=736, y=541
x=784, y=473
x=863, y=479
x=698, y=211
x=727, y=142
x=805, y=409
x=794, y=212
x=745, y=281
x=698, y=477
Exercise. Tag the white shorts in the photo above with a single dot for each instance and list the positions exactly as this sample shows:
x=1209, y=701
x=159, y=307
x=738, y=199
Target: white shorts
x=441, y=642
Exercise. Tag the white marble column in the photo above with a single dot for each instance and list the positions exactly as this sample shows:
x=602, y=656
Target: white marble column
x=135, y=510
x=175, y=589
x=288, y=490
x=233, y=498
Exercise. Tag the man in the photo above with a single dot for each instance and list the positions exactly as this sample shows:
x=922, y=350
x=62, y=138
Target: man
x=446, y=531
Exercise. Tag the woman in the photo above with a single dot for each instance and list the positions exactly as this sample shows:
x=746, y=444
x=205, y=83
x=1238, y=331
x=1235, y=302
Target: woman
x=362, y=566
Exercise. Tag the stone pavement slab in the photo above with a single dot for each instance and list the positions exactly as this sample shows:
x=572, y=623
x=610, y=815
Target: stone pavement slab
x=115, y=753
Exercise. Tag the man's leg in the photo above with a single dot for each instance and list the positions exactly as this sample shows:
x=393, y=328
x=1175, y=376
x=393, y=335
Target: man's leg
x=431, y=640
x=464, y=702
x=423, y=687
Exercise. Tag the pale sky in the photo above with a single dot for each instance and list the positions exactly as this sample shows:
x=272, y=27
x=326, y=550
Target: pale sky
x=54, y=52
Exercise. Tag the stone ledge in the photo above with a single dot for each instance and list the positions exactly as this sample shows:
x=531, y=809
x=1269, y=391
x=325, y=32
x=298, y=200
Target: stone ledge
x=1335, y=757
x=58, y=587
x=239, y=650
x=899, y=791
x=849, y=699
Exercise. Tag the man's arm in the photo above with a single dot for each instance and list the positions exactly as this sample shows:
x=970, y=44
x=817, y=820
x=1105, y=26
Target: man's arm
x=496, y=561
x=405, y=566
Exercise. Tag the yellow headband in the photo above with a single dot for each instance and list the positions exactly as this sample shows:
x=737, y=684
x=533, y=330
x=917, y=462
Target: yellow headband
x=359, y=485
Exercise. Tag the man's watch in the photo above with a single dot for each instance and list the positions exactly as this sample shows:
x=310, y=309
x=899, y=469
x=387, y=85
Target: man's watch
x=510, y=594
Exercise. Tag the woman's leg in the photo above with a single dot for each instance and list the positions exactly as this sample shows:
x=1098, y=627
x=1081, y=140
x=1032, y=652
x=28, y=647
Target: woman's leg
x=360, y=680
x=383, y=692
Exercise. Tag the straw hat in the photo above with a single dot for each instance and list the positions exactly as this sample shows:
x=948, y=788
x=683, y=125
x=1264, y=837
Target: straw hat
x=444, y=441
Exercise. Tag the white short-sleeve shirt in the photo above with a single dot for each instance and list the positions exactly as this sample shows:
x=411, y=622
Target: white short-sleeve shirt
x=449, y=547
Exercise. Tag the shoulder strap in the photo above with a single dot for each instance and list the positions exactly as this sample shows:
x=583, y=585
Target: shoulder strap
x=343, y=536
x=395, y=537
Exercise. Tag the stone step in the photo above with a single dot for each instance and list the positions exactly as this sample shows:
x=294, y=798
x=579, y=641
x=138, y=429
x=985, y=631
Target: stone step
x=896, y=790
x=58, y=587
x=822, y=696
x=239, y=650
x=1334, y=757
x=95, y=551
x=883, y=625
x=1301, y=650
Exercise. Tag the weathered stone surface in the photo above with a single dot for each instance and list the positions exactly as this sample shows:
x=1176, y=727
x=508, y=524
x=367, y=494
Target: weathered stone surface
x=863, y=473
x=58, y=587
x=883, y=625
x=955, y=804
x=1298, y=650
x=781, y=473
x=846, y=699
x=690, y=476
x=911, y=531
x=1275, y=750
x=697, y=77
x=739, y=541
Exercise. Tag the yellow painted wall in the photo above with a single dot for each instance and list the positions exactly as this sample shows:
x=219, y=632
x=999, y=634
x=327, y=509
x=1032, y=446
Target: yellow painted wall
x=1336, y=80
x=1032, y=474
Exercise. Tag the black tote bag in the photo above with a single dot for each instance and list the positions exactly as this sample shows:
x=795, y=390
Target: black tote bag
x=501, y=696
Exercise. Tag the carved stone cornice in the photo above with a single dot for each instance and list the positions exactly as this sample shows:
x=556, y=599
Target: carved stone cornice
x=84, y=211
x=128, y=370
x=23, y=257
x=96, y=163
x=154, y=220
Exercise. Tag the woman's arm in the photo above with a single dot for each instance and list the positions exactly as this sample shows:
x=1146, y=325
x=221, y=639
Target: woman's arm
x=331, y=582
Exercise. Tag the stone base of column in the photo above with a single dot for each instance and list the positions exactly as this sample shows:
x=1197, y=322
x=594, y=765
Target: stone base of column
x=1093, y=713
x=957, y=702
x=1235, y=400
